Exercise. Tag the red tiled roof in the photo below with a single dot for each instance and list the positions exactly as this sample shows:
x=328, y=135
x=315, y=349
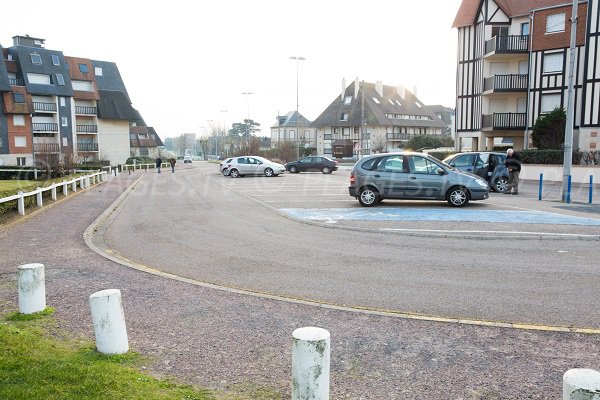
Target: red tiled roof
x=513, y=8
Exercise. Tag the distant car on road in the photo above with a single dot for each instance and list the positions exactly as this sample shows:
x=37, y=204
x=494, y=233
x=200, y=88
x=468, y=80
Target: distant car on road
x=187, y=159
x=487, y=164
x=415, y=176
x=253, y=165
x=312, y=163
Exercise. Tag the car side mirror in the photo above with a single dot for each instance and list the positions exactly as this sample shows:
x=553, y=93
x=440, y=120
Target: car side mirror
x=440, y=171
x=452, y=165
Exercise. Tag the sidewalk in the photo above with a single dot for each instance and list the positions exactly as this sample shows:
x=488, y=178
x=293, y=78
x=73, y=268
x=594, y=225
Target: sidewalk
x=228, y=341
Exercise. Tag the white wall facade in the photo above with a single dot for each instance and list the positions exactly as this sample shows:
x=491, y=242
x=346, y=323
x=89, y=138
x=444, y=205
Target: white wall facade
x=113, y=140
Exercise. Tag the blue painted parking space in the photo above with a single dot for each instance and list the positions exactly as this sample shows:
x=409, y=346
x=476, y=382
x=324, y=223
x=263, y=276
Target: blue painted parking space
x=332, y=215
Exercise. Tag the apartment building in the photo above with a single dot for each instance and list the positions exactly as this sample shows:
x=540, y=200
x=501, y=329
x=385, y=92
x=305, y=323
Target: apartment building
x=372, y=117
x=513, y=61
x=55, y=107
x=293, y=127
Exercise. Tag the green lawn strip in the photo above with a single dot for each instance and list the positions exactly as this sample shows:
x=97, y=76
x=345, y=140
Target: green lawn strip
x=15, y=185
x=37, y=361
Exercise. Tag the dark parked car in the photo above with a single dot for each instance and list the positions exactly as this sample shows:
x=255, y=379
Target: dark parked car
x=414, y=176
x=312, y=163
x=487, y=164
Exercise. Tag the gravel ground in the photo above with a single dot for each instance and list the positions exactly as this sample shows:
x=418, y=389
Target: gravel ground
x=223, y=340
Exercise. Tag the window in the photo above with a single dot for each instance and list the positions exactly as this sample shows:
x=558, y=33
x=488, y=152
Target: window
x=18, y=120
x=36, y=59
x=550, y=102
x=21, y=161
x=55, y=60
x=422, y=165
x=83, y=86
x=553, y=63
x=348, y=100
x=98, y=71
x=60, y=79
x=555, y=23
x=18, y=97
x=376, y=100
x=525, y=29
x=83, y=68
x=39, y=79
x=20, y=141
x=63, y=102
x=242, y=160
x=344, y=117
x=65, y=142
x=391, y=164
x=64, y=121
x=467, y=160
x=345, y=131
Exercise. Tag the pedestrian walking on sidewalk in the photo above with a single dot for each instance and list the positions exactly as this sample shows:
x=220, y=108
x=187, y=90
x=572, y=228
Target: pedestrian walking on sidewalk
x=172, y=162
x=513, y=164
x=158, y=163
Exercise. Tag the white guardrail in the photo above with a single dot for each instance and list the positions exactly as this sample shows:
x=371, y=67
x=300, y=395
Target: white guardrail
x=84, y=181
x=133, y=167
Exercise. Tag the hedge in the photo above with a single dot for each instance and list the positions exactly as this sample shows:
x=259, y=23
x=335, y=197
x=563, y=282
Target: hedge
x=552, y=157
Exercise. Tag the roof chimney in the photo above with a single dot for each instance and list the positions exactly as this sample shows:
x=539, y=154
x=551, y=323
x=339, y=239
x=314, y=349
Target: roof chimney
x=343, y=89
x=379, y=88
x=356, y=87
x=28, y=41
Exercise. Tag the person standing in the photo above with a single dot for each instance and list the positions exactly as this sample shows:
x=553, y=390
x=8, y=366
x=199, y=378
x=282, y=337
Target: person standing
x=172, y=162
x=513, y=164
x=158, y=163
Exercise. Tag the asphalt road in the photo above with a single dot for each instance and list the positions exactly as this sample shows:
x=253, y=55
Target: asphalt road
x=200, y=225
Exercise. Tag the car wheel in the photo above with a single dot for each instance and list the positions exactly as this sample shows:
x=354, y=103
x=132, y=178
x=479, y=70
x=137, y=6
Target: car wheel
x=225, y=172
x=500, y=185
x=368, y=197
x=234, y=173
x=293, y=169
x=269, y=172
x=457, y=196
x=326, y=170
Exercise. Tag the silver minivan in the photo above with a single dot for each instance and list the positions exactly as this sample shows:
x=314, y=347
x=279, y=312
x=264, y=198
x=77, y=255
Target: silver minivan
x=414, y=176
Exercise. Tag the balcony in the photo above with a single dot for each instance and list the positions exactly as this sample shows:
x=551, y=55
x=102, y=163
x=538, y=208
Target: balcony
x=87, y=147
x=504, y=121
x=507, y=44
x=44, y=127
x=399, y=136
x=44, y=107
x=46, y=148
x=81, y=110
x=16, y=82
x=506, y=83
x=87, y=128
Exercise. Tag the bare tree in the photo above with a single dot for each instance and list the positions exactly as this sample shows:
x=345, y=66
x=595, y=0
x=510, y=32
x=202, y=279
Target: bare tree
x=378, y=143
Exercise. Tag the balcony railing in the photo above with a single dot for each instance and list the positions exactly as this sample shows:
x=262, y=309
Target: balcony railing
x=44, y=127
x=507, y=44
x=46, y=148
x=87, y=146
x=506, y=83
x=44, y=107
x=85, y=110
x=399, y=136
x=87, y=128
x=16, y=82
x=505, y=121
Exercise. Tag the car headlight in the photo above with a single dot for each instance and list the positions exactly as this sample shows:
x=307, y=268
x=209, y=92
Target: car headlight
x=482, y=183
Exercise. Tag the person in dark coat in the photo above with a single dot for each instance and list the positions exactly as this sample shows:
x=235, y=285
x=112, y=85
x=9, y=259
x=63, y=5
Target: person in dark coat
x=158, y=163
x=513, y=164
x=172, y=162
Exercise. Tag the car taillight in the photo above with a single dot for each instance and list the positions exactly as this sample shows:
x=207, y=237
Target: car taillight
x=335, y=162
x=352, y=179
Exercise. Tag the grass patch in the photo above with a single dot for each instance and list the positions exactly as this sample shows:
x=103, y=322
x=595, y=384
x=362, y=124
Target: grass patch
x=16, y=316
x=15, y=185
x=35, y=365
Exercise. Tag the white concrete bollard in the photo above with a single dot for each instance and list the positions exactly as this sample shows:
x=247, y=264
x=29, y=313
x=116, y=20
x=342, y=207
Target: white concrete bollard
x=109, y=322
x=21, y=203
x=581, y=384
x=74, y=186
x=53, y=192
x=38, y=197
x=32, y=288
x=310, y=364
x=65, y=188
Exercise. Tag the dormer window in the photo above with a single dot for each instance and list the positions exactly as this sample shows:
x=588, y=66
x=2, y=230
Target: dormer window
x=36, y=59
x=344, y=117
x=83, y=68
x=348, y=100
x=18, y=97
x=55, y=60
x=376, y=100
x=60, y=79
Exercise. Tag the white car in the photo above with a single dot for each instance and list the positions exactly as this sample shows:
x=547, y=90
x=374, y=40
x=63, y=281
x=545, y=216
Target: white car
x=223, y=166
x=252, y=165
x=187, y=159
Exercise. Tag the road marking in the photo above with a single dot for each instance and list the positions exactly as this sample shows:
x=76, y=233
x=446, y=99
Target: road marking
x=426, y=214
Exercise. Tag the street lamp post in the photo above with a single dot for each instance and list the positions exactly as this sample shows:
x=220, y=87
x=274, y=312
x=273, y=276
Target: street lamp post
x=298, y=59
x=247, y=120
x=224, y=131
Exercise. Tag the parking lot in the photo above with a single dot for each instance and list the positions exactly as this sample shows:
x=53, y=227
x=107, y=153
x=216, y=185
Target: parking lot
x=324, y=198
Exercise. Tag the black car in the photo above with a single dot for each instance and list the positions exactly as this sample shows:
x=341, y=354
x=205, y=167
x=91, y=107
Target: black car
x=487, y=164
x=312, y=163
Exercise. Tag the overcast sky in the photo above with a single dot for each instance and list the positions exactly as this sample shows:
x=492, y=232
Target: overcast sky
x=183, y=62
